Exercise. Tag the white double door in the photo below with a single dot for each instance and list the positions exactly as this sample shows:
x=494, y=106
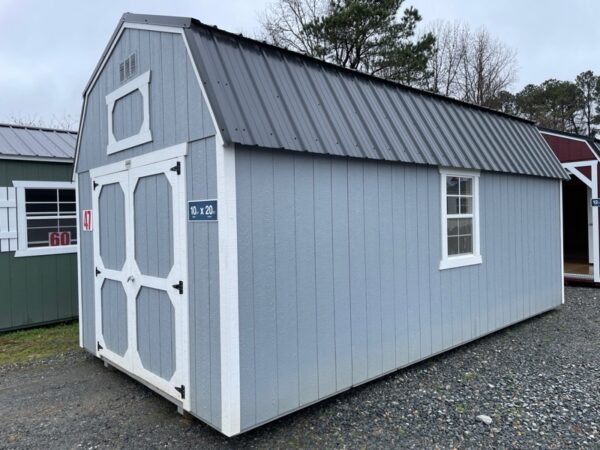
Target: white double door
x=141, y=308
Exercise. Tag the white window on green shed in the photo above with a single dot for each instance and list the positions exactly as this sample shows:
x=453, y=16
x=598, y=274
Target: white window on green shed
x=47, y=218
x=460, y=218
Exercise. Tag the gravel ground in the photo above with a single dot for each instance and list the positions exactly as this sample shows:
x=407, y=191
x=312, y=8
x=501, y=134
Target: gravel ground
x=538, y=381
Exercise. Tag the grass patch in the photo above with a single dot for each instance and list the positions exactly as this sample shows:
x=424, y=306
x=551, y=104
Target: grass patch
x=38, y=343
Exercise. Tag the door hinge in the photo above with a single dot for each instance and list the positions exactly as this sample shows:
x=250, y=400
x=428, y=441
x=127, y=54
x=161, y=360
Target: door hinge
x=181, y=390
x=99, y=347
x=179, y=286
x=177, y=168
x=97, y=272
x=95, y=185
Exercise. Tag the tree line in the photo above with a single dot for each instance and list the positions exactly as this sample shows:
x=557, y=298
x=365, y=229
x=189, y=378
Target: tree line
x=379, y=37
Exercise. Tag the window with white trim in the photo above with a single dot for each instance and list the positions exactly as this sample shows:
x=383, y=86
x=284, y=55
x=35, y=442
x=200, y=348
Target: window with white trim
x=47, y=218
x=460, y=218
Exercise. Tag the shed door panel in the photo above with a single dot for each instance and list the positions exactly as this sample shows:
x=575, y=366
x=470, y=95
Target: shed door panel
x=141, y=298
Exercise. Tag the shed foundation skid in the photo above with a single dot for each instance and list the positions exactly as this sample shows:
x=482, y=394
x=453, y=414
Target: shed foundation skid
x=256, y=248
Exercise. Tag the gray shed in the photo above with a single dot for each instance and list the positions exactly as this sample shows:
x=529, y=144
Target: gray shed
x=262, y=230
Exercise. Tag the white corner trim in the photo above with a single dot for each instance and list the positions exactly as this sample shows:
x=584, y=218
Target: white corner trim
x=562, y=247
x=228, y=273
x=142, y=84
x=451, y=262
x=79, y=289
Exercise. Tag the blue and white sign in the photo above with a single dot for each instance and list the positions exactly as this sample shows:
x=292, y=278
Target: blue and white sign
x=202, y=210
x=596, y=202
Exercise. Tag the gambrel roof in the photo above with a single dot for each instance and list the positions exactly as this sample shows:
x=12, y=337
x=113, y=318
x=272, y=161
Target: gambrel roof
x=265, y=96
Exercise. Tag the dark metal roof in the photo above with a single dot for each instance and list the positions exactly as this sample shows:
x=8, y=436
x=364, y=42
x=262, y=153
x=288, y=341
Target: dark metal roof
x=36, y=142
x=265, y=96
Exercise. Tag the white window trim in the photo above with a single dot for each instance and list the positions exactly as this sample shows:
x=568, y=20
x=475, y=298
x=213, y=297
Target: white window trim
x=450, y=262
x=141, y=83
x=22, y=249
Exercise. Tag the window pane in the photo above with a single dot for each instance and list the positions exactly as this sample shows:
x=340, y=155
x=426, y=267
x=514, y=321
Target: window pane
x=452, y=185
x=452, y=205
x=41, y=223
x=453, y=246
x=41, y=208
x=466, y=205
x=466, y=244
x=40, y=195
x=466, y=186
x=453, y=227
x=465, y=226
x=67, y=208
x=66, y=223
x=67, y=195
x=39, y=235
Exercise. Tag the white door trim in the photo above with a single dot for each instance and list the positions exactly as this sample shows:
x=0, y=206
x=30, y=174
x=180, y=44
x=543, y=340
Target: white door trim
x=592, y=184
x=154, y=163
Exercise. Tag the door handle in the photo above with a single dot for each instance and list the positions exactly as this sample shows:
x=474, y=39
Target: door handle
x=130, y=279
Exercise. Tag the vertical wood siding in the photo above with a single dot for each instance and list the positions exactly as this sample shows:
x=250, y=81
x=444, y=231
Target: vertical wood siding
x=339, y=278
x=36, y=289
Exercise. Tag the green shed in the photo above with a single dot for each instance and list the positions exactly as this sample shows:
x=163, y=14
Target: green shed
x=38, y=227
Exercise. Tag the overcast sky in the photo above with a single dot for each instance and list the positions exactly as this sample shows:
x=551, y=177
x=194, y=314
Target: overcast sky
x=49, y=48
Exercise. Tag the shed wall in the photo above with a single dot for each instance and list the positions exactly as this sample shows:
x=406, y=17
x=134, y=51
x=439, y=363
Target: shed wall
x=178, y=114
x=36, y=289
x=338, y=271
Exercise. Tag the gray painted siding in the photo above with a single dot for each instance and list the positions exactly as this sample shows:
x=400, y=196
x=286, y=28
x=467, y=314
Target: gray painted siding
x=128, y=115
x=178, y=114
x=114, y=315
x=177, y=110
x=111, y=214
x=86, y=254
x=153, y=212
x=156, y=332
x=338, y=271
x=203, y=276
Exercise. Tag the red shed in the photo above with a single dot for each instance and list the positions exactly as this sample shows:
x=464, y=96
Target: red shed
x=579, y=155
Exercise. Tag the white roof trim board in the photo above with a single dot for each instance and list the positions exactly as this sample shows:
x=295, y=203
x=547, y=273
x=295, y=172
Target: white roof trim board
x=265, y=96
x=34, y=143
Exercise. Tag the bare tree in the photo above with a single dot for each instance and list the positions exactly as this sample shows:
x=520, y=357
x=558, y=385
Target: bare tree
x=489, y=67
x=446, y=61
x=284, y=23
x=471, y=66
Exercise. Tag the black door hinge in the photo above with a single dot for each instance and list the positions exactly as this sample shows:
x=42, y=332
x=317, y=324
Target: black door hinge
x=177, y=168
x=181, y=390
x=99, y=346
x=97, y=272
x=95, y=185
x=179, y=286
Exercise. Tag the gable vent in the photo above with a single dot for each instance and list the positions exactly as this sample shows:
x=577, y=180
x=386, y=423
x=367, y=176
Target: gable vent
x=128, y=67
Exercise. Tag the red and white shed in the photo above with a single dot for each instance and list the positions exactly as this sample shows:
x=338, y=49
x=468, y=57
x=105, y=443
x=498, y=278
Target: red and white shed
x=579, y=155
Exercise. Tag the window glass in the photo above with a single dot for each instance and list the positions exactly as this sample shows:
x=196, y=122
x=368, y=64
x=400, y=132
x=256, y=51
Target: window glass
x=459, y=215
x=51, y=217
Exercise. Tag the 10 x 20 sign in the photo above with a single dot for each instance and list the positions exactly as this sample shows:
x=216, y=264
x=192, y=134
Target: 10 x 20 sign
x=202, y=210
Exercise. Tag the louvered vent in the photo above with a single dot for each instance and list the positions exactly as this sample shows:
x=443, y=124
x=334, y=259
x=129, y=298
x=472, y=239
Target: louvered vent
x=128, y=67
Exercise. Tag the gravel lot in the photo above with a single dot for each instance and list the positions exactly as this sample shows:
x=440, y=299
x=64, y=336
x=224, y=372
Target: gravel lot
x=539, y=381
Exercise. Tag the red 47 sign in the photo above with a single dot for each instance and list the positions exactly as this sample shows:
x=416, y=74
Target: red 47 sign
x=57, y=238
x=86, y=219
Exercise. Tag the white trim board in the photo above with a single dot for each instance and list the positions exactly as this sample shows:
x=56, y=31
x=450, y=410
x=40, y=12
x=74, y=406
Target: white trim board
x=228, y=273
x=36, y=159
x=22, y=247
x=451, y=262
x=142, y=84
